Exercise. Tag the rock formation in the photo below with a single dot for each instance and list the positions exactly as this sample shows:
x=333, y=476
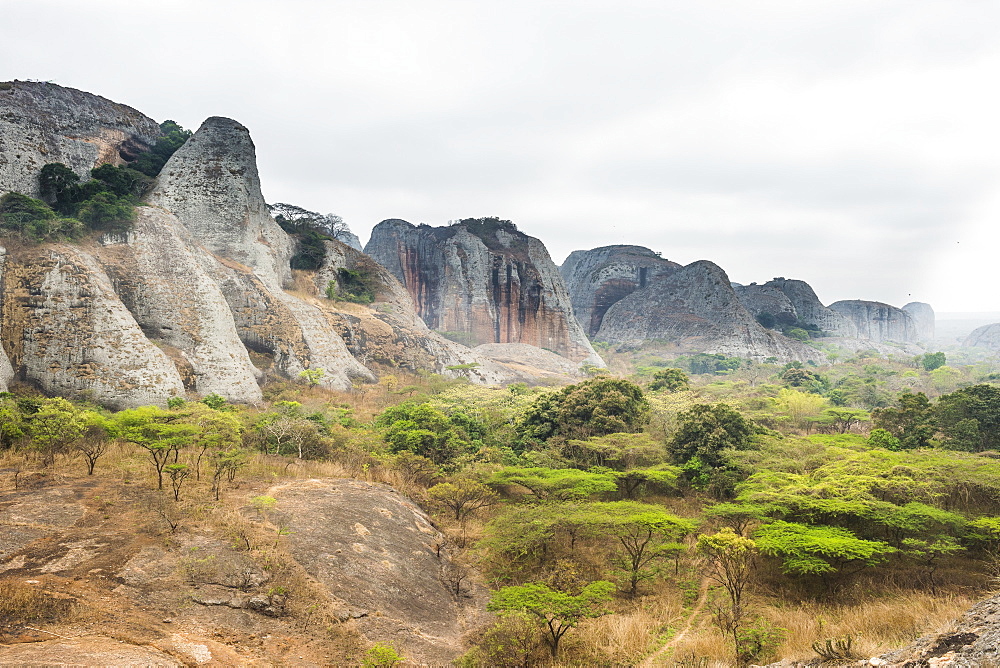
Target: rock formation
x=391, y=332
x=972, y=640
x=43, y=123
x=598, y=278
x=377, y=551
x=877, y=321
x=791, y=301
x=485, y=279
x=987, y=336
x=923, y=318
x=65, y=329
x=696, y=308
x=158, y=273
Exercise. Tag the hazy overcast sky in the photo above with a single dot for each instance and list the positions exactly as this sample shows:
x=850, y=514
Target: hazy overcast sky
x=851, y=144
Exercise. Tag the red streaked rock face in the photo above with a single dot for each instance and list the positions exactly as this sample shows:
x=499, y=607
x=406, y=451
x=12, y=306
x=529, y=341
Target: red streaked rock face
x=493, y=283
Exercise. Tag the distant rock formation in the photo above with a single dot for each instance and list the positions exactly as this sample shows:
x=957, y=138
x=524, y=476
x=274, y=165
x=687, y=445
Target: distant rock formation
x=791, y=301
x=923, y=318
x=43, y=123
x=598, y=278
x=696, y=308
x=877, y=321
x=485, y=279
x=987, y=336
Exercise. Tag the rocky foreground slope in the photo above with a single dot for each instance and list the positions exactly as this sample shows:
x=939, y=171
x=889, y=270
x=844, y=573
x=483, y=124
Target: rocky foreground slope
x=354, y=563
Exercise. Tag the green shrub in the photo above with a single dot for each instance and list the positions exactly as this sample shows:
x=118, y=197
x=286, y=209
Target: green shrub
x=173, y=138
x=352, y=286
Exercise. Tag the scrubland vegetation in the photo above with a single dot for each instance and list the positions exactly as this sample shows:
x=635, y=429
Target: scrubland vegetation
x=734, y=514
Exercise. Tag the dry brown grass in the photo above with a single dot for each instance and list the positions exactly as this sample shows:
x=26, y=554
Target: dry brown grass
x=876, y=626
x=22, y=603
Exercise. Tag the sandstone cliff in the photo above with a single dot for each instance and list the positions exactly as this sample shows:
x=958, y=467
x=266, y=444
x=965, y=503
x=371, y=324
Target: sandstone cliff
x=696, y=308
x=487, y=280
x=390, y=332
x=44, y=123
x=878, y=321
x=598, y=278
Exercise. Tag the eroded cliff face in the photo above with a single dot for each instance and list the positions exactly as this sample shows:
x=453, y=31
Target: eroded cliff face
x=158, y=273
x=791, y=301
x=499, y=285
x=42, y=123
x=878, y=321
x=390, y=333
x=696, y=308
x=65, y=329
x=212, y=185
x=598, y=278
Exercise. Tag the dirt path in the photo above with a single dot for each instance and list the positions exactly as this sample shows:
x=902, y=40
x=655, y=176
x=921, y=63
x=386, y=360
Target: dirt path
x=670, y=644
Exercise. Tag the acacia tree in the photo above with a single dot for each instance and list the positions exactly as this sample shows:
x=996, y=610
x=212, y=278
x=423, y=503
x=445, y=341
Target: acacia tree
x=729, y=561
x=830, y=553
x=159, y=432
x=94, y=441
x=557, y=611
x=463, y=497
x=55, y=424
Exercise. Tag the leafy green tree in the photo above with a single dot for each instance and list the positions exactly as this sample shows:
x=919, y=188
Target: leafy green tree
x=161, y=433
x=462, y=497
x=55, y=425
x=424, y=430
x=592, y=408
x=842, y=420
x=880, y=438
x=93, y=443
x=313, y=376
x=172, y=138
x=831, y=553
x=672, y=380
x=931, y=361
x=58, y=186
x=562, y=484
x=647, y=535
x=381, y=656
x=557, y=611
x=178, y=473
x=617, y=451
x=121, y=181
x=911, y=420
x=969, y=418
x=729, y=562
x=705, y=435
x=929, y=554
x=107, y=211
